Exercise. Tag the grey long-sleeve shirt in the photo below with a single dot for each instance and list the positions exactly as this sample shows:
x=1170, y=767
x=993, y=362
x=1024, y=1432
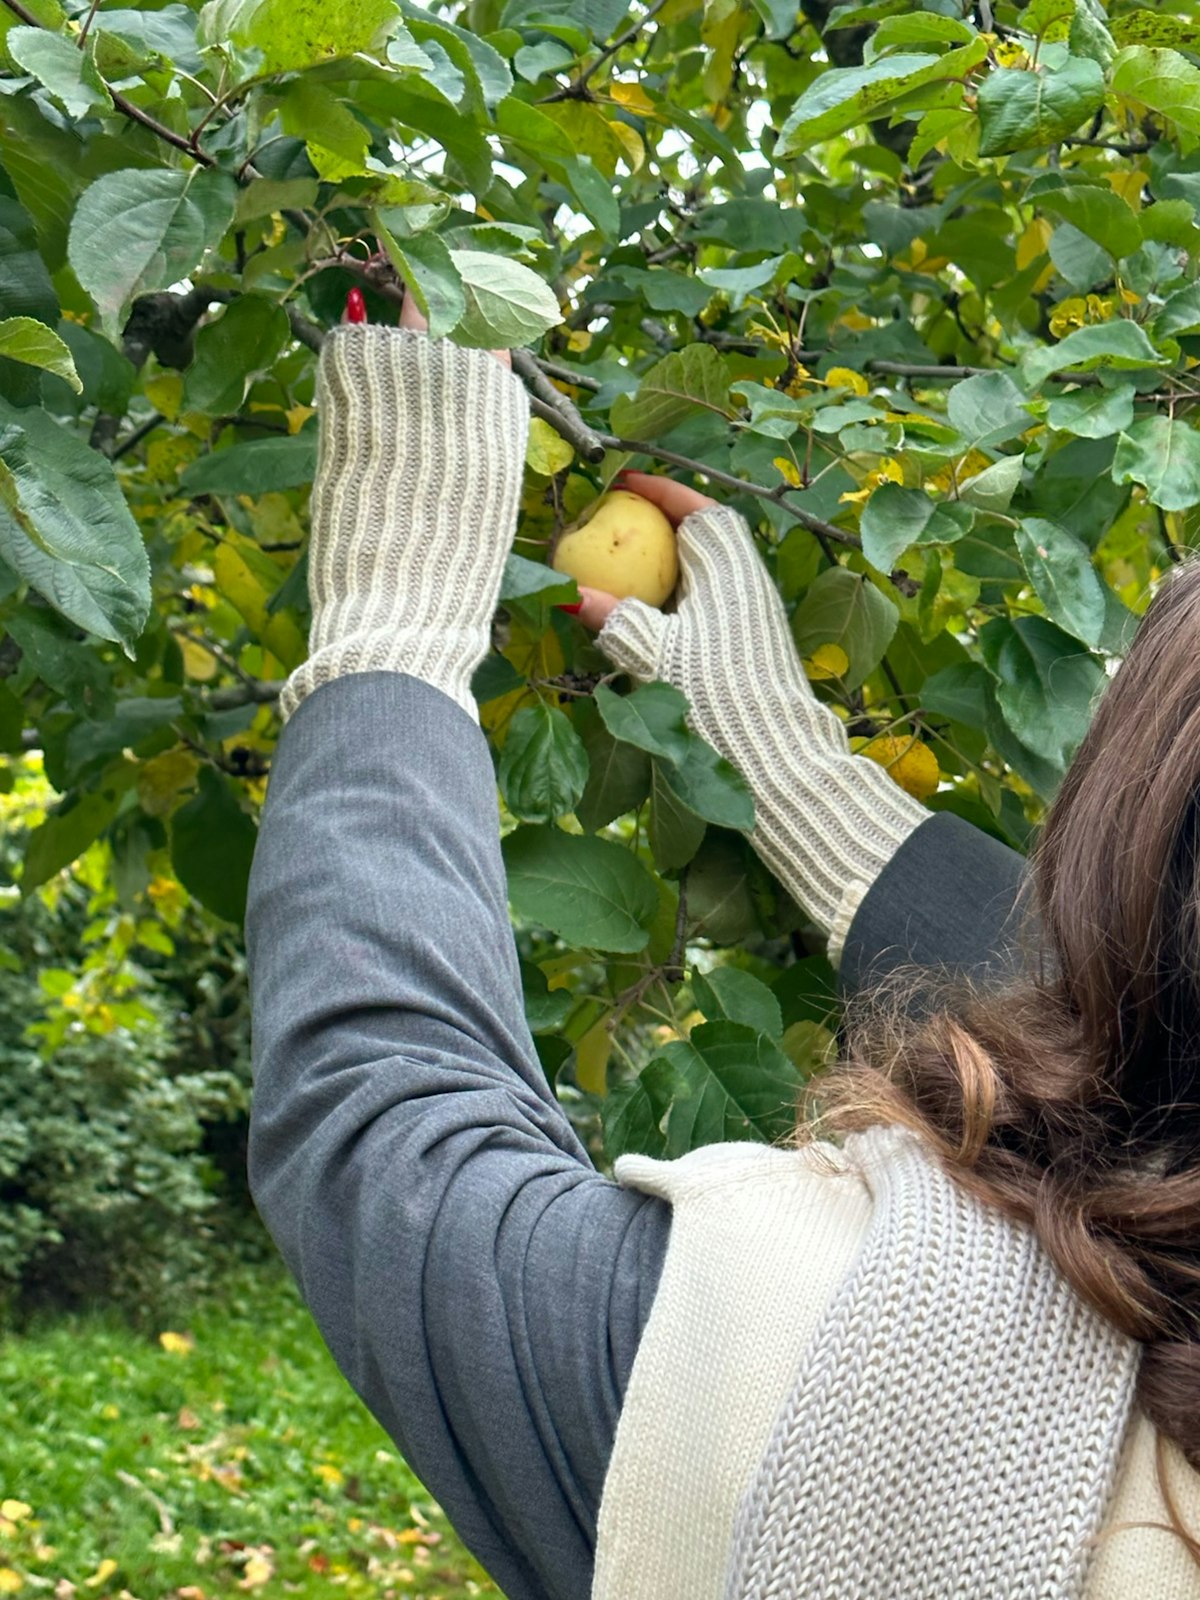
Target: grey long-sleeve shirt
x=480, y=1285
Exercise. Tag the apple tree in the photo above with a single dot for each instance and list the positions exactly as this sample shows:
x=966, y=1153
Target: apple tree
x=910, y=283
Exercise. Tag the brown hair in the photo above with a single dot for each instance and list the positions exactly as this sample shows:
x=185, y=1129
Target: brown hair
x=1070, y=1096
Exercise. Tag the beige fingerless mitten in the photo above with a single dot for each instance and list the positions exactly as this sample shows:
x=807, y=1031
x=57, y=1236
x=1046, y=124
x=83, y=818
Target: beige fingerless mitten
x=420, y=461
x=827, y=821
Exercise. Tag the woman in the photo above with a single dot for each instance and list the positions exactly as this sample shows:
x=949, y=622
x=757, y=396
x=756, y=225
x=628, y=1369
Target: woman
x=939, y=1361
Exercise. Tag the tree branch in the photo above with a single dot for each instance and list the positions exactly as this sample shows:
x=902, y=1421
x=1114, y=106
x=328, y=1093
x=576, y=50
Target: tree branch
x=577, y=90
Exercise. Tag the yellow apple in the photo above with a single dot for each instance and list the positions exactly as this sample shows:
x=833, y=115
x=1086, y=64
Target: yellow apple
x=622, y=544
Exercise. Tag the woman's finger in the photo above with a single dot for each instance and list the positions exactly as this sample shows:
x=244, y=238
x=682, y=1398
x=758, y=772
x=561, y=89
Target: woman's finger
x=595, y=607
x=411, y=316
x=675, y=499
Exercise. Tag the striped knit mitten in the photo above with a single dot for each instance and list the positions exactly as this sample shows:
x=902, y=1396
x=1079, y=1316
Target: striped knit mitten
x=827, y=821
x=420, y=461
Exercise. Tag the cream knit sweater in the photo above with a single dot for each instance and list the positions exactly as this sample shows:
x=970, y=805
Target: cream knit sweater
x=762, y=1240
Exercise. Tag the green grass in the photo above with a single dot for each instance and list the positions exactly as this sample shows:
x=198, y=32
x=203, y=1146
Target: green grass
x=239, y=1461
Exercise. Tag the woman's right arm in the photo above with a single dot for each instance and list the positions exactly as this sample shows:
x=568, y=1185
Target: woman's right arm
x=887, y=880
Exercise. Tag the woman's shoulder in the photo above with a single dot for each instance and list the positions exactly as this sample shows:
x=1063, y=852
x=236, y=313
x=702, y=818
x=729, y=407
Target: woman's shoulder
x=736, y=1165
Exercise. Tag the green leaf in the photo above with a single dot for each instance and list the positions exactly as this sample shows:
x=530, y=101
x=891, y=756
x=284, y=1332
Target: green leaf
x=293, y=34
x=1020, y=109
x=1156, y=27
x=244, y=340
x=633, y=1114
x=720, y=905
x=845, y=609
x=1045, y=685
x=675, y=830
x=212, y=846
x=591, y=892
x=67, y=832
x=428, y=270
x=992, y=489
x=1092, y=413
x=336, y=141
x=895, y=518
x=1064, y=579
x=56, y=61
x=526, y=580
x=545, y=1008
x=484, y=67
x=1162, y=454
x=1102, y=344
x=1097, y=212
x=254, y=467
x=711, y=787
x=842, y=97
x=1162, y=80
x=543, y=765
x=65, y=527
x=987, y=409
x=507, y=304
x=958, y=692
x=136, y=231
x=675, y=388
x=653, y=718
x=730, y=1083
x=618, y=773
x=1180, y=313
x=728, y=994
x=27, y=340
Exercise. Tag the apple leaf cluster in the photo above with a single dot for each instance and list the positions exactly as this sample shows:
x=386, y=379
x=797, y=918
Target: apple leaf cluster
x=911, y=283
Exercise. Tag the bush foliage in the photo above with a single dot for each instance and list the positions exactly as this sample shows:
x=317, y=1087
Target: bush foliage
x=910, y=282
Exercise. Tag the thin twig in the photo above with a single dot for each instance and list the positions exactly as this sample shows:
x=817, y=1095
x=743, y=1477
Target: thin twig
x=576, y=89
x=132, y=440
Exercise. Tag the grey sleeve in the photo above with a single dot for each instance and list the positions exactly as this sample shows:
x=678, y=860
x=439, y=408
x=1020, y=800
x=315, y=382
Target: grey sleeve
x=480, y=1285
x=951, y=897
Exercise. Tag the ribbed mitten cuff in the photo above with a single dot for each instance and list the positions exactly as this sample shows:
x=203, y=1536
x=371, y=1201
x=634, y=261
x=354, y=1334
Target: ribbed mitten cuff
x=420, y=462
x=827, y=821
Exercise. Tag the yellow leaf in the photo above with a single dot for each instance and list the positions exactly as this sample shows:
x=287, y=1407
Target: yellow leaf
x=788, y=470
x=243, y=575
x=10, y=1582
x=102, y=1573
x=578, y=339
x=547, y=452
x=827, y=661
x=1009, y=53
x=329, y=1473
x=199, y=664
x=1034, y=242
x=845, y=378
x=164, y=392
x=163, y=778
x=177, y=1344
x=591, y=1059
x=633, y=97
x=298, y=416
x=258, y=1570
x=912, y=764
x=635, y=149
x=15, y=1510
x=1128, y=182
x=110, y=1413
x=857, y=321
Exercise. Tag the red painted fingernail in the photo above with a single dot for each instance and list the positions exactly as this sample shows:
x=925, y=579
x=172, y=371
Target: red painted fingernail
x=356, y=306
x=571, y=610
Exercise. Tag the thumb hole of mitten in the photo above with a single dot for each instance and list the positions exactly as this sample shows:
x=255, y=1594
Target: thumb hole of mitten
x=632, y=638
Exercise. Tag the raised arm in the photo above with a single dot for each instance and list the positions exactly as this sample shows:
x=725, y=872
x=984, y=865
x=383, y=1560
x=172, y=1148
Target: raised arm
x=887, y=880
x=479, y=1284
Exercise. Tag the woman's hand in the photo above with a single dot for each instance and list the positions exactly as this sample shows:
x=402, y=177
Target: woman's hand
x=420, y=464
x=827, y=821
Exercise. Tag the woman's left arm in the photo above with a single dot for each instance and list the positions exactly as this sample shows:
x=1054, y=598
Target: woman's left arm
x=481, y=1286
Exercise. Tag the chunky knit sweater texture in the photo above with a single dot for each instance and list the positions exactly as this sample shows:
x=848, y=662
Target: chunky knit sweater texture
x=857, y=1383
